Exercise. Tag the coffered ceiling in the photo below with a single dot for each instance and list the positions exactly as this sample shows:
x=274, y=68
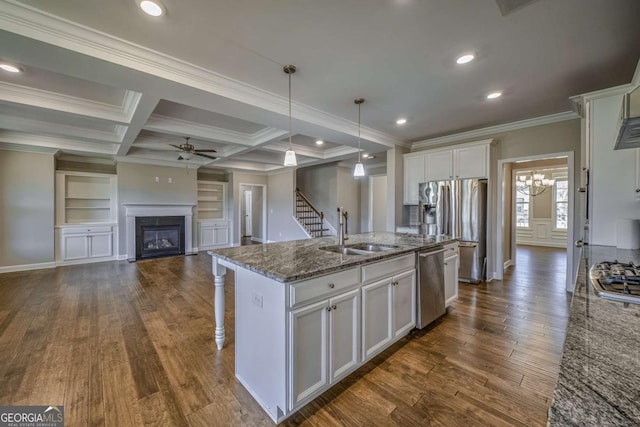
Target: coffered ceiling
x=103, y=79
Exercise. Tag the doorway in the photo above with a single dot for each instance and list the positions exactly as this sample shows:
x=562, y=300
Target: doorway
x=531, y=215
x=252, y=217
x=377, y=203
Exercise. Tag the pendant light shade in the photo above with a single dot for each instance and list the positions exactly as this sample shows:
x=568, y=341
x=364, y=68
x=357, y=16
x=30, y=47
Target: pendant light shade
x=359, y=169
x=290, y=155
x=290, y=158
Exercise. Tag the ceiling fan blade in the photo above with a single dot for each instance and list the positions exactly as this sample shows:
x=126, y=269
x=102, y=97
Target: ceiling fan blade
x=177, y=146
x=180, y=158
x=205, y=155
x=205, y=151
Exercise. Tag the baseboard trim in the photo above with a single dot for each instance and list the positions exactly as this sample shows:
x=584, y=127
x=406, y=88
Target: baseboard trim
x=27, y=267
x=507, y=264
x=122, y=257
x=257, y=239
x=543, y=244
x=84, y=261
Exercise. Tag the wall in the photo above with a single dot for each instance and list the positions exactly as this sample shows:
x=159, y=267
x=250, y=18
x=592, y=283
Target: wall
x=235, y=180
x=137, y=184
x=281, y=198
x=612, y=186
x=364, y=198
x=348, y=196
x=320, y=185
x=522, y=143
x=26, y=208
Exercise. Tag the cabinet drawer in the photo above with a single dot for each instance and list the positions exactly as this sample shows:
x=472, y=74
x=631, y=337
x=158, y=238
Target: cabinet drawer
x=388, y=268
x=450, y=250
x=323, y=286
x=86, y=230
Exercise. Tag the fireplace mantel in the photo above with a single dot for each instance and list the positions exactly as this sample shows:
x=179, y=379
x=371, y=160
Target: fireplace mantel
x=133, y=210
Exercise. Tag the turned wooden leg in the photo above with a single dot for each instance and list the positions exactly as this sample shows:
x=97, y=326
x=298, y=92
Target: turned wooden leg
x=218, y=309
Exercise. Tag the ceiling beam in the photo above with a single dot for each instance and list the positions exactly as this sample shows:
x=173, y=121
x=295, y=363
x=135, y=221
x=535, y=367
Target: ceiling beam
x=143, y=110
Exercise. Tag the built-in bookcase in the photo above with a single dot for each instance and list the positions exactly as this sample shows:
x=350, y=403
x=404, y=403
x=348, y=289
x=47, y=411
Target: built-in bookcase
x=85, y=198
x=212, y=200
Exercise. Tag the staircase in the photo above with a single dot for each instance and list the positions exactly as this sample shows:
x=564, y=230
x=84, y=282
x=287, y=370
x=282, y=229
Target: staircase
x=309, y=217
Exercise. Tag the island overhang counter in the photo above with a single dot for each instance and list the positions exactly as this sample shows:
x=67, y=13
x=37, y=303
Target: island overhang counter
x=306, y=317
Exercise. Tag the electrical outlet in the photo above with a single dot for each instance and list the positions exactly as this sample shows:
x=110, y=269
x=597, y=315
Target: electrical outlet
x=256, y=299
x=170, y=180
x=157, y=179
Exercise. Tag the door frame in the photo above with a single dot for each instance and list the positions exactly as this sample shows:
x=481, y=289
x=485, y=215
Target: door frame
x=247, y=233
x=499, y=255
x=262, y=238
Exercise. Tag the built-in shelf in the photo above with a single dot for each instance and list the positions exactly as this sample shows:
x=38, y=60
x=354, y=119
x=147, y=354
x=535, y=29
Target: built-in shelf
x=85, y=198
x=212, y=203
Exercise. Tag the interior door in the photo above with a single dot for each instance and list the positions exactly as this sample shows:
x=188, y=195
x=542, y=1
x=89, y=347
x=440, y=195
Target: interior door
x=247, y=213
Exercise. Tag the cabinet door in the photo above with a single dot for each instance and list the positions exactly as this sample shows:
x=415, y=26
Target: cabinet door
x=308, y=351
x=344, y=334
x=439, y=165
x=376, y=317
x=221, y=236
x=206, y=236
x=450, y=279
x=471, y=162
x=100, y=245
x=75, y=246
x=414, y=174
x=404, y=303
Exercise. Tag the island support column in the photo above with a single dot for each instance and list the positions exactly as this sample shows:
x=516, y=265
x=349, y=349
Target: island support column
x=219, y=271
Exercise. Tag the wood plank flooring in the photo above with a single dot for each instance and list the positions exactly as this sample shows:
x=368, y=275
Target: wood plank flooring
x=124, y=344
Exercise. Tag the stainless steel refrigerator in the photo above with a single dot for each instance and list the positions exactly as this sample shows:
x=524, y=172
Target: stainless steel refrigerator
x=458, y=208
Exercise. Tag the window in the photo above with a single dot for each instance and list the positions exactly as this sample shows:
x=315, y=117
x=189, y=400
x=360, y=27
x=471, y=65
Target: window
x=560, y=203
x=522, y=203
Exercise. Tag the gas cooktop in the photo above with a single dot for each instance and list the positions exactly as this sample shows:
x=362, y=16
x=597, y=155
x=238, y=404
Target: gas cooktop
x=616, y=280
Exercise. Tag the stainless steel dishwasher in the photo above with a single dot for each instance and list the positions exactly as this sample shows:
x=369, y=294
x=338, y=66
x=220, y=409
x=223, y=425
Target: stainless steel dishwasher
x=430, y=297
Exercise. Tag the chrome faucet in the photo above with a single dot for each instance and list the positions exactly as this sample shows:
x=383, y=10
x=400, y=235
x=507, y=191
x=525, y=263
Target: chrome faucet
x=343, y=223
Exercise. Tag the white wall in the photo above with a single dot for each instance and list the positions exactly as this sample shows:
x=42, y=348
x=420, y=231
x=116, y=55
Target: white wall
x=281, y=198
x=348, y=196
x=320, y=185
x=137, y=184
x=612, y=174
x=364, y=199
x=26, y=208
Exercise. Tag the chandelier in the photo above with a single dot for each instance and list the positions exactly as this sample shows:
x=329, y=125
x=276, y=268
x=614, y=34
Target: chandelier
x=533, y=184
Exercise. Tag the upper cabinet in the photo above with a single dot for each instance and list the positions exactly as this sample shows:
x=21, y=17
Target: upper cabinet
x=414, y=169
x=85, y=198
x=464, y=161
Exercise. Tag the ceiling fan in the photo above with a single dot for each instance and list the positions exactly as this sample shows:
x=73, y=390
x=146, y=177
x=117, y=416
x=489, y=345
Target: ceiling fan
x=187, y=150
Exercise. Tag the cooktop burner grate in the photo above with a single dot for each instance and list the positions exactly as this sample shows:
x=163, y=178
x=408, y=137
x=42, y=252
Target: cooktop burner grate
x=615, y=280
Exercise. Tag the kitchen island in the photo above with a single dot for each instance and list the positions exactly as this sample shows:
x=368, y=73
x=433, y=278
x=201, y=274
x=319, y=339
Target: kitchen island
x=306, y=317
x=599, y=379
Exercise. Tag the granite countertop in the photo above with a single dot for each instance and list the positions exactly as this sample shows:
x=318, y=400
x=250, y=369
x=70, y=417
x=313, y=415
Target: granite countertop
x=599, y=380
x=301, y=259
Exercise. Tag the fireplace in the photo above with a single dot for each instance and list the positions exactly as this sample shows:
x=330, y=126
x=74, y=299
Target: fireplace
x=159, y=236
x=135, y=212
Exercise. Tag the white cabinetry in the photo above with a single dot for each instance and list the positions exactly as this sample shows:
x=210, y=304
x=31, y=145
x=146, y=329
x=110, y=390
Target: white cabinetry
x=463, y=161
x=86, y=217
x=450, y=273
x=469, y=161
x=388, y=303
x=295, y=340
x=213, y=228
x=414, y=169
x=324, y=344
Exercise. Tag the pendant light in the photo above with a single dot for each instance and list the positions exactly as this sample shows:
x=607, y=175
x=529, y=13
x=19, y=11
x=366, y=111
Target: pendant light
x=359, y=170
x=290, y=155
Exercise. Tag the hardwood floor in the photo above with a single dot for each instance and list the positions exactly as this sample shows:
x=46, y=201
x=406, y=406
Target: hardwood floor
x=124, y=344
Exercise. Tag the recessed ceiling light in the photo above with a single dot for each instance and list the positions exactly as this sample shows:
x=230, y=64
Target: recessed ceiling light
x=401, y=121
x=466, y=58
x=371, y=157
x=152, y=8
x=365, y=156
x=319, y=142
x=494, y=95
x=10, y=68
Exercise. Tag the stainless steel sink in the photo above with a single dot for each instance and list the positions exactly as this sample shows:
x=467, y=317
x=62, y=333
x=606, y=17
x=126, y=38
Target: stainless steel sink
x=359, y=248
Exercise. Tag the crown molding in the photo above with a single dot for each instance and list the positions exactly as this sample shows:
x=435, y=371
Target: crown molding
x=39, y=98
x=155, y=162
x=28, y=148
x=57, y=143
x=636, y=75
x=21, y=124
x=479, y=133
x=577, y=101
x=33, y=23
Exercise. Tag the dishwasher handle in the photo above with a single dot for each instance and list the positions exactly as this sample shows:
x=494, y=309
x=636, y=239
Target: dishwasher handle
x=429, y=253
